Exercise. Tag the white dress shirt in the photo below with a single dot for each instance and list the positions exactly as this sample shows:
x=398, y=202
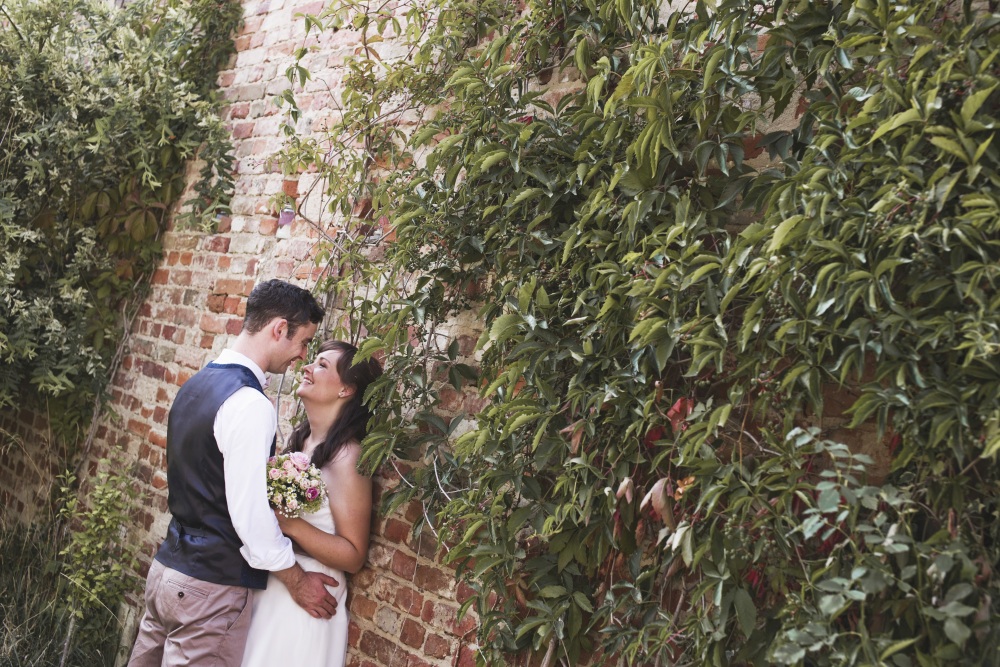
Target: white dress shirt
x=244, y=428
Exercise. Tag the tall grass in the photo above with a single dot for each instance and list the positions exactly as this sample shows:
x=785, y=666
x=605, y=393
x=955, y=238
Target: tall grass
x=34, y=614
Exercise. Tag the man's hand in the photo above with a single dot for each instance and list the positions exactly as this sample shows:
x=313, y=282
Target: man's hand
x=308, y=589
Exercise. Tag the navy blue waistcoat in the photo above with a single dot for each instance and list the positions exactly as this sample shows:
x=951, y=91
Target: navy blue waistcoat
x=201, y=541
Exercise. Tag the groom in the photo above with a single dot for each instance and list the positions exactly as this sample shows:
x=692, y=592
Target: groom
x=223, y=538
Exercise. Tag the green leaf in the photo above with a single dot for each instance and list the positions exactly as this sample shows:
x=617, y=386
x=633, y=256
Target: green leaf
x=746, y=612
x=911, y=115
x=972, y=103
x=956, y=631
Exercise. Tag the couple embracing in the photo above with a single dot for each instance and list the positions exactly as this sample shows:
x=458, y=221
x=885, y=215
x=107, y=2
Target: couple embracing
x=233, y=584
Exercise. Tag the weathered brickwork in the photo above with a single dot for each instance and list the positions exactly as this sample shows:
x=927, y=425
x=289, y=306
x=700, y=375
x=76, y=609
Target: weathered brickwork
x=404, y=604
x=28, y=466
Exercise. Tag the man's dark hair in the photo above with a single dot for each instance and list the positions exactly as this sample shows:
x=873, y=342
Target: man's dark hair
x=276, y=298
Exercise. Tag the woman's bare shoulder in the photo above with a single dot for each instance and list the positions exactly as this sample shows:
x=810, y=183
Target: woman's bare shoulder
x=347, y=458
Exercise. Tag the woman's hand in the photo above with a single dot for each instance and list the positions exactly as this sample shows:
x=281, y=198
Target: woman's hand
x=289, y=526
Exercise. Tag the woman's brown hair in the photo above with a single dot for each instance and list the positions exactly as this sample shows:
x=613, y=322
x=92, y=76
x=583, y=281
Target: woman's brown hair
x=352, y=422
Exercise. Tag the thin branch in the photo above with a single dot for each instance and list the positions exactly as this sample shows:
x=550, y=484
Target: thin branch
x=13, y=25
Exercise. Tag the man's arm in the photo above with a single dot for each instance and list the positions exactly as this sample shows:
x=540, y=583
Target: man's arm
x=244, y=429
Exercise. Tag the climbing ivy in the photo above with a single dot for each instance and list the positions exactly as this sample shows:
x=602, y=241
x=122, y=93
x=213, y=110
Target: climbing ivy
x=104, y=109
x=740, y=211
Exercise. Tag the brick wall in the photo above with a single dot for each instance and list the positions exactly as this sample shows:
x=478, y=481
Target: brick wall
x=404, y=603
x=28, y=464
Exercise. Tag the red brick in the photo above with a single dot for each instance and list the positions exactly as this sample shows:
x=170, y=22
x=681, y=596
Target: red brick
x=386, y=651
x=213, y=323
x=217, y=244
x=186, y=258
x=234, y=326
x=396, y=531
x=160, y=415
x=435, y=580
x=363, y=607
x=138, y=428
x=157, y=439
x=466, y=657
x=161, y=277
x=239, y=110
x=409, y=601
x=404, y=565
x=243, y=130
x=437, y=646
x=464, y=592
x=311, y=8
x=226, y=286
x=268, y=226
x=412, y=633
x=353, y=634
x=217, y=303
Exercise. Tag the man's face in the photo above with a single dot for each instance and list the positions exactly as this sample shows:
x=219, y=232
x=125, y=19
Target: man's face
x=290, y=350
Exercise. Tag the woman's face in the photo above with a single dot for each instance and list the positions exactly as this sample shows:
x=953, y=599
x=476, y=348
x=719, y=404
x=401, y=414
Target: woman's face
x=321, y=382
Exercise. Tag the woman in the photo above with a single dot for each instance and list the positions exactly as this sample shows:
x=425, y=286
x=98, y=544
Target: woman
x=333, y=540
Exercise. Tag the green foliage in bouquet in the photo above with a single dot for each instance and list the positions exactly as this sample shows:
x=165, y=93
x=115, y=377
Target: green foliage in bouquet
x=666, y=312
x=104, y=109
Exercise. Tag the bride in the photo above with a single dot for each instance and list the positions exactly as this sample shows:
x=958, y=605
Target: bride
x=333, y=540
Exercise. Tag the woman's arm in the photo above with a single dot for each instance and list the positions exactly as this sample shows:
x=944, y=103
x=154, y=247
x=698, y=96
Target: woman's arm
x=351, y=505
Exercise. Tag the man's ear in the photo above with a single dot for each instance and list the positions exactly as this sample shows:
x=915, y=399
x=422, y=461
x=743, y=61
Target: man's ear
x=279, y=328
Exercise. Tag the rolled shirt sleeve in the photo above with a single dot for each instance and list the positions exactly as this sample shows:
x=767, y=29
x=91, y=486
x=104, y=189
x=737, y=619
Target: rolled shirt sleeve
x=244, y=428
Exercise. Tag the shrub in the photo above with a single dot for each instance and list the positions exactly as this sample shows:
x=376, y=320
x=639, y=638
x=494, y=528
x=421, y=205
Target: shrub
x=104, y=108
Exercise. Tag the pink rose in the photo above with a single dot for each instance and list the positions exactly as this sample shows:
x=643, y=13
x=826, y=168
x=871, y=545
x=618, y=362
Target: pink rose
x=300, y=460
x=289, y=466
x=293, y=504
x=312, y=493
x=274, y=473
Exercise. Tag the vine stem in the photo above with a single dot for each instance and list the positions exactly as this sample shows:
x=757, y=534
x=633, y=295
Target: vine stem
x=68, y=641
x=549, y=653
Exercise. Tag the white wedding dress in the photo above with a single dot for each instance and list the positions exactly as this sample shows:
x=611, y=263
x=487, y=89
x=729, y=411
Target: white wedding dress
x=283, y=633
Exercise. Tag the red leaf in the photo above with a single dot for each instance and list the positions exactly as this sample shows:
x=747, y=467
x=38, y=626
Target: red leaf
x=678, y=413
x=655, y=433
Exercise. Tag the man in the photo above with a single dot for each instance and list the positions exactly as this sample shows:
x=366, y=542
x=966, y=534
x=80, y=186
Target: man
x=223, y=538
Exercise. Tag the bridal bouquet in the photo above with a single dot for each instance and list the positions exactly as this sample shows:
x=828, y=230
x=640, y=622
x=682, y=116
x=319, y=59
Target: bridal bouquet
x=294, y=484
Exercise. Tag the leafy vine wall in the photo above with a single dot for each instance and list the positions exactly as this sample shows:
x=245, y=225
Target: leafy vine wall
x=668, y=379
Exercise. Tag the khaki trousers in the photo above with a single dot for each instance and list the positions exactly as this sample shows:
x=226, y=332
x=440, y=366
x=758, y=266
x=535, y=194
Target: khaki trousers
x=191, y=622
